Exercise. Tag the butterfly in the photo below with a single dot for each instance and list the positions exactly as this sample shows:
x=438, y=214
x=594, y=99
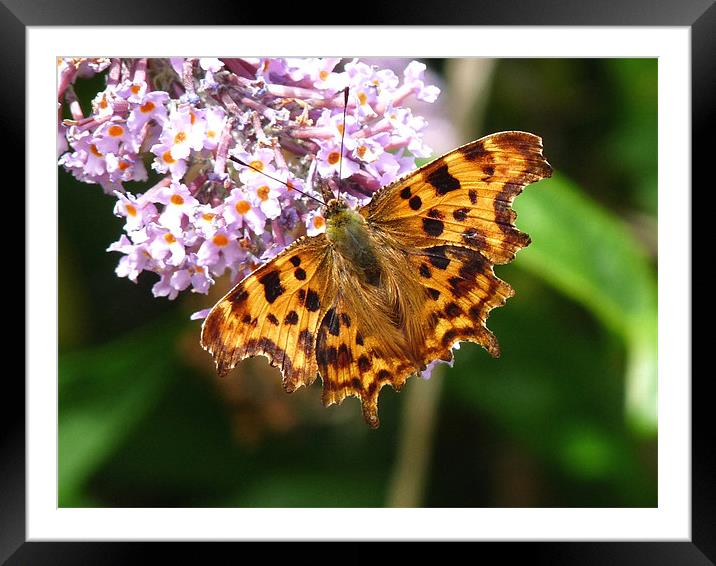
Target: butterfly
x=391, y=286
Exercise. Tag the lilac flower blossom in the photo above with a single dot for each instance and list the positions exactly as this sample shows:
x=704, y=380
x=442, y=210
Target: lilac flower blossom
x=175, y=126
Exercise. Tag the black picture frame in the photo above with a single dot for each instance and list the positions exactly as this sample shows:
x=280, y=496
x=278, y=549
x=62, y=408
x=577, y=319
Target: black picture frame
x=698, y=15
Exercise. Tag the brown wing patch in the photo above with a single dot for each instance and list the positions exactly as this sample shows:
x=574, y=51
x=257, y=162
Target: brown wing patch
x=274, y=311
x=462, y=289
x=465, y=197
x=351, y=364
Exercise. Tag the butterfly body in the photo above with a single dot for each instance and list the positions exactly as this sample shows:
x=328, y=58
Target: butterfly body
x=390, y=287
x=350, y=237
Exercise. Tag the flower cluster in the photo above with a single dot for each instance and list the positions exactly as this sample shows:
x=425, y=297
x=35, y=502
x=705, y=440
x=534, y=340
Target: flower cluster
x=186, y=126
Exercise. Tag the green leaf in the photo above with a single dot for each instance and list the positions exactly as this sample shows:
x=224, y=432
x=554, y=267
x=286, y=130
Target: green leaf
x=103, y=393
x=591, y=256
x=557, y=393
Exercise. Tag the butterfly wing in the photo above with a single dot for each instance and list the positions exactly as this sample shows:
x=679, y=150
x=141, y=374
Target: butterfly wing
x=462, y=289
x=464, y=198
x=355, y=361
x=453, y=218
x=439, y=231
x=444, y=294
x=275, y=311
x=306, y=313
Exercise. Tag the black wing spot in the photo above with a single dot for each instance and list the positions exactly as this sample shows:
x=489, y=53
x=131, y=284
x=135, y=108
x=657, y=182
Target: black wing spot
x=345, y=356
x=433, y=227
x=239, y=297
x=363, y=363
x=438, y=257
x=476, y=151
x=272, y=286
x=331, y=322
x=460, y=214
x=452, y=310
x=443, y=181
x=312, y=303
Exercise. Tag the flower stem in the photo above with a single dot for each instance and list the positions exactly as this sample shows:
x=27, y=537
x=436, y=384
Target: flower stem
x=417, y=428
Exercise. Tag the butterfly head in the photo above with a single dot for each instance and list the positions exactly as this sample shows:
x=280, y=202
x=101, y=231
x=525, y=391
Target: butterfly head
x=334, y=207
x=343, y=224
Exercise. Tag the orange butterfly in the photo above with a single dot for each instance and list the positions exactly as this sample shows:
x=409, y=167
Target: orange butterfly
x=390, y=287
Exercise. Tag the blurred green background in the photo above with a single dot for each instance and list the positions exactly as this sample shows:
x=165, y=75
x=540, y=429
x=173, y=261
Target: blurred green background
x=566, y=417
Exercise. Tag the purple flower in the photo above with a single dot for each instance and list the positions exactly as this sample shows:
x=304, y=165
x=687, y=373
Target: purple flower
x=165, y=162
x=150, y=107
x=178, y=204
x=192, y=118
x=220, y=251
x=215, y=122
x=312, y=72
x=137, y=211
x=86, y=162
x=177, y=63
x=239, y=212
x=113, y=134
x=165, y=247
x=331, y=161
x=206, y=219
x=62, y=145
x=211, y=64
x=135, y=260
x=315, y=223
x=184, y=132
x=124, y=167
x=193, y=275
x=413, y=76
x=267, y=195
x=200, y=315
x=369, y=150
x=133, y=91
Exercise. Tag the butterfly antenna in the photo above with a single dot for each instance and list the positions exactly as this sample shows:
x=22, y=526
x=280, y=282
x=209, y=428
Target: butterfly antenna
x=343, y=131
x=289, y=185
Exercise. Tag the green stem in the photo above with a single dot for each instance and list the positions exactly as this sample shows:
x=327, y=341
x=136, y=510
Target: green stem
x=417, y=428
